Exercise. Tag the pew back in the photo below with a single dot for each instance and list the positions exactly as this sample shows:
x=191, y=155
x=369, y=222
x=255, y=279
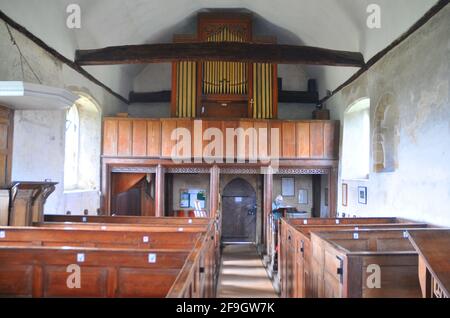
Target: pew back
x=34, y=236
x=344, y=264
x=126, y=219
x=190, y=246
x=29, y=271
x=296, y=252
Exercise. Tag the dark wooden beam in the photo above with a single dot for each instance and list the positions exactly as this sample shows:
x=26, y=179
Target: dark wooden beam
x=424, y=19
x=218, y=51
x=57, y=55
x=299, y=97
x=311, y=96
x=150, y=97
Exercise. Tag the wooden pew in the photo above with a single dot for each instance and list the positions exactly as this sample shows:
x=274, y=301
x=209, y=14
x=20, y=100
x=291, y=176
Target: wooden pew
x=344, y=261
x=295, y=248
x=56, y=237
x=274, y=249
x=181, y=221
x=121, y=227
x=433, y=247
x=29, y=271
x=126, y=219
x=191, y=252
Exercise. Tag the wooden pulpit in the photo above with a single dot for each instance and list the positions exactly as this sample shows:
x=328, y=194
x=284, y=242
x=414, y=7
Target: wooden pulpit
x=26, y=202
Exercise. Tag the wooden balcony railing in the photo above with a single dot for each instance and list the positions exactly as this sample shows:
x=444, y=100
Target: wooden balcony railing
x=152, y=138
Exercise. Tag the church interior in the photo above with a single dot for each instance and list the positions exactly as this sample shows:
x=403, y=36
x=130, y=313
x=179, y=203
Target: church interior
x=225, y=149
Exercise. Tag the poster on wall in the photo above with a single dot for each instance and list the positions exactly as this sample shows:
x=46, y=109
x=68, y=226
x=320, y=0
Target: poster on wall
x=189, y=197
x=287, y=187
x=303, y=196
x=344, y=194
x=362, y=195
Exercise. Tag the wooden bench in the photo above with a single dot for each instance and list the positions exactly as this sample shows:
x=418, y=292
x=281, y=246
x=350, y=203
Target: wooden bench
x=274, y=249
x=295, y=248
x=55, y=237
x=433, y=247
x=183, y=223
x=39, y=271
x=162, y=224
x=126, y=219
x=344, y=264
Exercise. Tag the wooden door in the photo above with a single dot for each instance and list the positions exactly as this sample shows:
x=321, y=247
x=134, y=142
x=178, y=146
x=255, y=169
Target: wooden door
x=6, y=128
x=239, y=212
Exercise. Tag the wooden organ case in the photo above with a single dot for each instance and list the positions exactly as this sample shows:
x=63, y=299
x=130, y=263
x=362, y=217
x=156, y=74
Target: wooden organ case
x=218, y=89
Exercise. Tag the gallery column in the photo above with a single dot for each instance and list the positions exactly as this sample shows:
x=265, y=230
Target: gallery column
x=159, y=191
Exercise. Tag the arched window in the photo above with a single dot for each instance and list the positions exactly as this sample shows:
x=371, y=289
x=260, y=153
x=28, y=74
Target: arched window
x=356, y=141
x=72, y=144
x=385, y=137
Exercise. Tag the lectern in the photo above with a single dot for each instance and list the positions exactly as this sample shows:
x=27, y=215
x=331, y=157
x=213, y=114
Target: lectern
x=25, y=202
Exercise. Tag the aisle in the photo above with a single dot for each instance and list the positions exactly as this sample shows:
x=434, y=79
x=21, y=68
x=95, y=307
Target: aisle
x=243, y=275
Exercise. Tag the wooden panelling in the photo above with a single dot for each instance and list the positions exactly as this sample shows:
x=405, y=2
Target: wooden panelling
x=276, y=144
x=139, y=138
x=167, y=144
x=124, y=138
x=316, y=140
x=230, y=139
x=331, y=139
x=246, y=143
x=302, y=139
x=153, y=138
x=262, y=129
x=289, y=136
x=110, y=137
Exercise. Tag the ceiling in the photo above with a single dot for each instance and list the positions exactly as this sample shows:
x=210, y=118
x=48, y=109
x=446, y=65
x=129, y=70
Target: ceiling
x=334, y=24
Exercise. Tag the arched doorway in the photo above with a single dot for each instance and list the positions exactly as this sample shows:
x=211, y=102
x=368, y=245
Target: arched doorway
x=238, y=212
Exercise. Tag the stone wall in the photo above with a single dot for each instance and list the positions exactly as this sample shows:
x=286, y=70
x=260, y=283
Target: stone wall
x=409, y=94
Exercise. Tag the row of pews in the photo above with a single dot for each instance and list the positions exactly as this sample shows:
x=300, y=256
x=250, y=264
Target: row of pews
x=114, y=256
x=362, y=258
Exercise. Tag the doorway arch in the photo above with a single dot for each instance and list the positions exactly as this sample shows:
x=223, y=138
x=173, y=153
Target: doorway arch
x=239, y=212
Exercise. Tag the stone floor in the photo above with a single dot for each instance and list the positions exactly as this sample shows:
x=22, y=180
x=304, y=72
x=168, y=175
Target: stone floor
x=243, y=275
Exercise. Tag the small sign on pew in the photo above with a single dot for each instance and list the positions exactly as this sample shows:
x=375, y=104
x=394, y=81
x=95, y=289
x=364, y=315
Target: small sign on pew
x=145, y=239
x=337, y=221
x=80, y=257
x=2, y=234
x=152, y=258
x=355, y=236
x=180, y=229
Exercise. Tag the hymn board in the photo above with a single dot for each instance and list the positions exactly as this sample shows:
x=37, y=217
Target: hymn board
x=224, y=89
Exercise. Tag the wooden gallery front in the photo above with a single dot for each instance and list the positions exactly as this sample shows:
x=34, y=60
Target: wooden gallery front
x=144, y=171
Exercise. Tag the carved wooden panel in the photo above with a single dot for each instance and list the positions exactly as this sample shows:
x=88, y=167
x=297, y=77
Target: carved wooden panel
x=316, y=140
x=302, y=140
x=139, y=138
x=153, y=138
x=110, y=137
x=124, y=138
x=167, y=144
x=289, y=135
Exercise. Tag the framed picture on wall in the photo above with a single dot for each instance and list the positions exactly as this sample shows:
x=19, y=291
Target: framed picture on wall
x=287, y=187
x=344, y=194
x=302, y=196
x=362, y=195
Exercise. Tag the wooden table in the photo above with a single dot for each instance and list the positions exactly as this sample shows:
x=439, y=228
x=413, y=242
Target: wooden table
x=433, y=246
